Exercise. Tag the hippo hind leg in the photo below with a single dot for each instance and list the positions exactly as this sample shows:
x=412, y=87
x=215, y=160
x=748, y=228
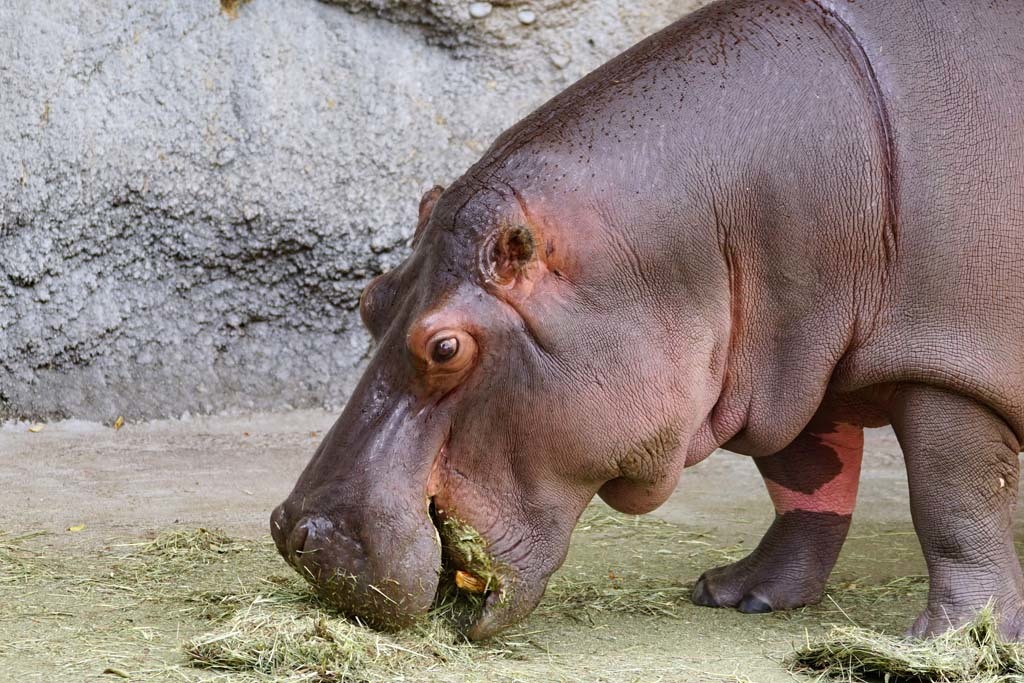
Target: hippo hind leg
x=813, y=485
x=962, y=466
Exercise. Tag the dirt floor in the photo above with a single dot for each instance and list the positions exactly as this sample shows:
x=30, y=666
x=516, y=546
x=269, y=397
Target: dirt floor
x=81, y=600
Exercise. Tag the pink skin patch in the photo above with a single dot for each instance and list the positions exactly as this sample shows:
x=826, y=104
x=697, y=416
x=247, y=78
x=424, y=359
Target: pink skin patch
x=817, y=472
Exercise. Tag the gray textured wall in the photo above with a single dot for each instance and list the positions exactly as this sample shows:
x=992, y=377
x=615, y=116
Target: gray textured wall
x=193, y=193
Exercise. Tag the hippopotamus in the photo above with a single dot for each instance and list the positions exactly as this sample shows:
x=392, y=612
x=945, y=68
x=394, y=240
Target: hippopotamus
x=766, y=228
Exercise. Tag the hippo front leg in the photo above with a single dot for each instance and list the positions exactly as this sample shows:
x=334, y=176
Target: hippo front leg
x=813, y=485
x=962, y=466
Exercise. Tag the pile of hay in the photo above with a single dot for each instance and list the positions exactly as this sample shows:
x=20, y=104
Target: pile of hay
x=284, y=632
x=190, y=544
x=971, y=654
x=278, y=628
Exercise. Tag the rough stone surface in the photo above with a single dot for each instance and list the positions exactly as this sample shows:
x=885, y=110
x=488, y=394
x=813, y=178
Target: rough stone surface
x=193, y=194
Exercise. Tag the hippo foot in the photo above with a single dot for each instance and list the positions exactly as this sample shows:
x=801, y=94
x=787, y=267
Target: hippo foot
x=788, y=569
x=752, y=590
x=940, y=617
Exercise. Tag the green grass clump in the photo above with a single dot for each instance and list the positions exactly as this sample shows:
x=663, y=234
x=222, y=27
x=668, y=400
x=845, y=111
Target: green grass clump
x=463, y=544
x=463, y=547
x=970, y=654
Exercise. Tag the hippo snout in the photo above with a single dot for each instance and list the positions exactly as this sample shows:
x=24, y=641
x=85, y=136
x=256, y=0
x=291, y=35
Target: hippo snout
x=378, y=566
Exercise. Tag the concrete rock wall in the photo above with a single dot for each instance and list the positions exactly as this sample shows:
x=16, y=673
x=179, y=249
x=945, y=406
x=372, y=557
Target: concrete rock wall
x=193, y=194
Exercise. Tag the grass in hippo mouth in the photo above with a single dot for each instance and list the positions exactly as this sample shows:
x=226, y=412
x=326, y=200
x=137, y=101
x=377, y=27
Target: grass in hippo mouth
x=469, y=574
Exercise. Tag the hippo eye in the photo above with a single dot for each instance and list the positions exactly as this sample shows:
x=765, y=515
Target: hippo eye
x=444, y=349
x=446, y=354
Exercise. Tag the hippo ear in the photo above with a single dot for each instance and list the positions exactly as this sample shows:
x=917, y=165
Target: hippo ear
x=427, y=203
x=511, y=251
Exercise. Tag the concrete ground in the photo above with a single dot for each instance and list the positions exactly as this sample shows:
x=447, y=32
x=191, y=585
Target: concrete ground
x=229, y=472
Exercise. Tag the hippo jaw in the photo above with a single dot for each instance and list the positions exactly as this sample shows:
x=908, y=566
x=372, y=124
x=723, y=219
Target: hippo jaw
x=503, y=593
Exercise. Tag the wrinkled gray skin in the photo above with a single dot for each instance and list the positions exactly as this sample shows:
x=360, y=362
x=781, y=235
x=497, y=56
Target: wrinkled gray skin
x=764, y=228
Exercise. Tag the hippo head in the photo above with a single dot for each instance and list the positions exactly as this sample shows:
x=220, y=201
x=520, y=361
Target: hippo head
x=517, y=373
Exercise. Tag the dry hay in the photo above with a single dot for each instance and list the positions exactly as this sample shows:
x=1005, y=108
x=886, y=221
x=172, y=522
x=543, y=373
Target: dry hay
x=17, y=561
x=286, y=634
x=246, y=617
x=970, y=654
x=257, y=621
x=190, y=544
x=633, y=594
x=281, y=630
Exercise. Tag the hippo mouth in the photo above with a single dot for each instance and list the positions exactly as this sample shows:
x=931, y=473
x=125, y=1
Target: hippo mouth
x=388, y=564
x=474, y=588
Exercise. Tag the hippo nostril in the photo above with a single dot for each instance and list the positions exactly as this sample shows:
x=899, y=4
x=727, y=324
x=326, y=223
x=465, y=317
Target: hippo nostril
x=307, y=543
x=299, y=537
x=309, y=535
